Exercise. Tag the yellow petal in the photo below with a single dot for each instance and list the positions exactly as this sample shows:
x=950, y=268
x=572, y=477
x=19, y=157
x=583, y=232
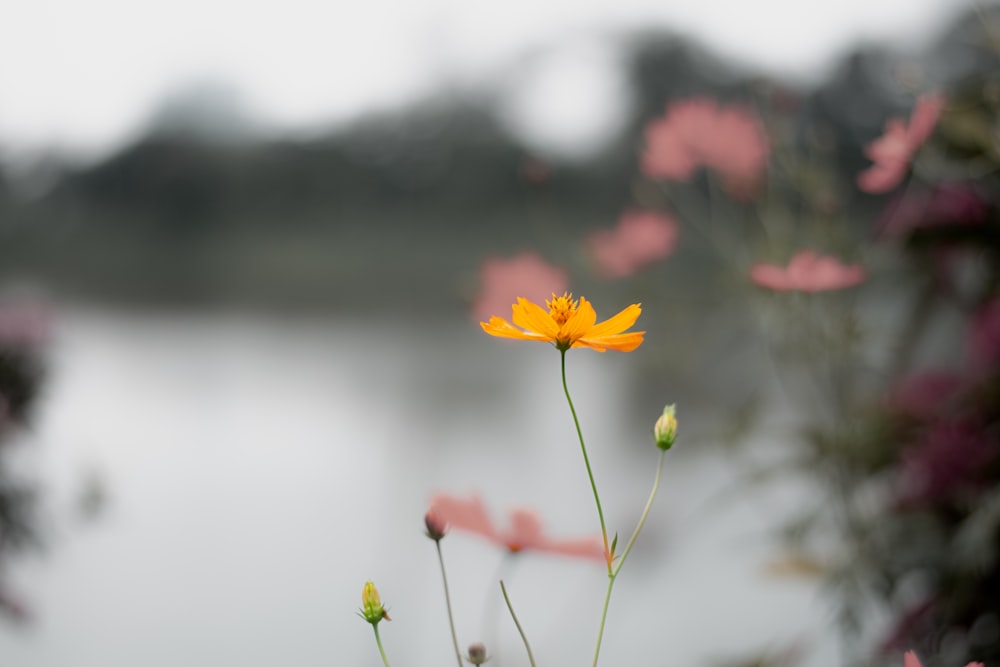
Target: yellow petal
x=616, y=324
x=580, y=323
x=625, y=342
x=532, y=317
x=497, y=326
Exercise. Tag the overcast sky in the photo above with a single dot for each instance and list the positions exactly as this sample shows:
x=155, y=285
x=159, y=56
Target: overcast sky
x=85, y=76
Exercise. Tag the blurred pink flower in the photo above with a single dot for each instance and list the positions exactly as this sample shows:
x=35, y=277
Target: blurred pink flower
x=699, y=133
x=808, y=271
x=911, y=660
x=23, y=324
x=641, y=238
x=942, y=206
x=523, y=534
x=951, y=457
x=927, y=395
x=984, y=338
x=893, y=151
x=526, y=275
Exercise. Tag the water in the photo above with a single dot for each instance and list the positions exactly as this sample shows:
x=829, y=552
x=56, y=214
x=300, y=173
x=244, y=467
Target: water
x=259, y=469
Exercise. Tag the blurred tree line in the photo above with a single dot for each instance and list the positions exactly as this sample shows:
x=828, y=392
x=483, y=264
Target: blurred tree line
x=190, y=215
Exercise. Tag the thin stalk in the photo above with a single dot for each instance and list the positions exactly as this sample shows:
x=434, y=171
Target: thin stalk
x=613, y=574
x=645, y=513
x=381, y=651
x=531, y=658
x=604, y=616
x=447, y=601
x=586, y=460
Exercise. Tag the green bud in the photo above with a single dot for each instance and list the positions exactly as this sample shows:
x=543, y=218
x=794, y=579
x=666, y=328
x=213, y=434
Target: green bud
x=665, y=430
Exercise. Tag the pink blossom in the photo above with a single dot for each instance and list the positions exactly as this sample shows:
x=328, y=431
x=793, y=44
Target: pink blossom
x=503, y=280
x=524, y=532
x=641, y=238
x=951, y=457
x=808, y=271
x=942, y=206
x=911, y=660
x=698, y=133
x=926, y=395
x=893, y=151
x=984, y=338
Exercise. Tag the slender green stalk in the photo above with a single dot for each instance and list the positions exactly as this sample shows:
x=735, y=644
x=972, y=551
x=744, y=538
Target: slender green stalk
x=586, y=460
x=531, y=658
x=447, y=601
x=381, y=651
x=614, y=572
x=645, y=513
x=604, y=616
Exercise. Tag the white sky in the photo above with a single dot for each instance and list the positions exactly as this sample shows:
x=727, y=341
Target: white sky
x=84, y=76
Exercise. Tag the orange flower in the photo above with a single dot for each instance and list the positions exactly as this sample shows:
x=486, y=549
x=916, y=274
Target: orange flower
x=567, y=324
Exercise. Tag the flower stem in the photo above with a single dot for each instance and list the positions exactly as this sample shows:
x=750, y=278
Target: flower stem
x=381, y=651
x=614, y=573
x=447, y=601
x=531, y=658
x=645, y=513
x=586, y=461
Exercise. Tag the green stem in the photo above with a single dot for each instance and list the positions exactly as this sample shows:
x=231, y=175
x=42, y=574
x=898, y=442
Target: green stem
x=645, y=513
x=586, y=460
x=381, y=651
x=531, y=658
x=447, y=601
x=604, y=615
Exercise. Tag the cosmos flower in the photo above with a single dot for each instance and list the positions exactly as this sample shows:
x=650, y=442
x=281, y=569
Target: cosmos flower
x=808, y=271
x=700, y=133
x=911, y=660
x=641, y=238
x=503, y=279
x=893, y=151
x=567, y=324
x=524, y=532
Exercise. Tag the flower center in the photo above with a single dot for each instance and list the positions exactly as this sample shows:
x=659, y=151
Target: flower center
x=561, y=308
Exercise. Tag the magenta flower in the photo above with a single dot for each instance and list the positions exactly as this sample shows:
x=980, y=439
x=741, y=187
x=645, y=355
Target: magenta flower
x=808, y=272
x=699, y=133
x=893, y=151
x=942, y=206
x=950, y=458
x=984, y=338
x=926, y=395
x=911, y=660
x=641, y=238
x=523, y=534
x=526, y=275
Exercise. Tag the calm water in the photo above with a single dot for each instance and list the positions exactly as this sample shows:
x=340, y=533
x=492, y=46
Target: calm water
x=258, y=470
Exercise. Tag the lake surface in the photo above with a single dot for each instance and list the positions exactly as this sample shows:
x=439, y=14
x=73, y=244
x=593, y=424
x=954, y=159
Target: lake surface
x=257, y=469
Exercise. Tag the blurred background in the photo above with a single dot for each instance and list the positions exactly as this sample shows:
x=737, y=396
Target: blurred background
x=244, y=251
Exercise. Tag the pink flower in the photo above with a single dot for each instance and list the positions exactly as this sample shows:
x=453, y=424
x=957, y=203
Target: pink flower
x=926, y=395
x=911, y=660
x=984, y=338
x=523, y=534
x=942, y=206
x=641, y=238
x=808, y=272
x=951, y=457
x=893, y=151
x=699, y=133
x=525, y=275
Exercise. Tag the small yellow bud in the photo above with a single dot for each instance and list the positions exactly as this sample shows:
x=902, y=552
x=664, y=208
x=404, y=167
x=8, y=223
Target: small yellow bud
x=665, y=430
x=371, y=605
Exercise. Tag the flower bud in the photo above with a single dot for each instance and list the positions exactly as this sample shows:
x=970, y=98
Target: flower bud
x=477, y=654
x=435, y=528
x=371, y=605
x=665, y=430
